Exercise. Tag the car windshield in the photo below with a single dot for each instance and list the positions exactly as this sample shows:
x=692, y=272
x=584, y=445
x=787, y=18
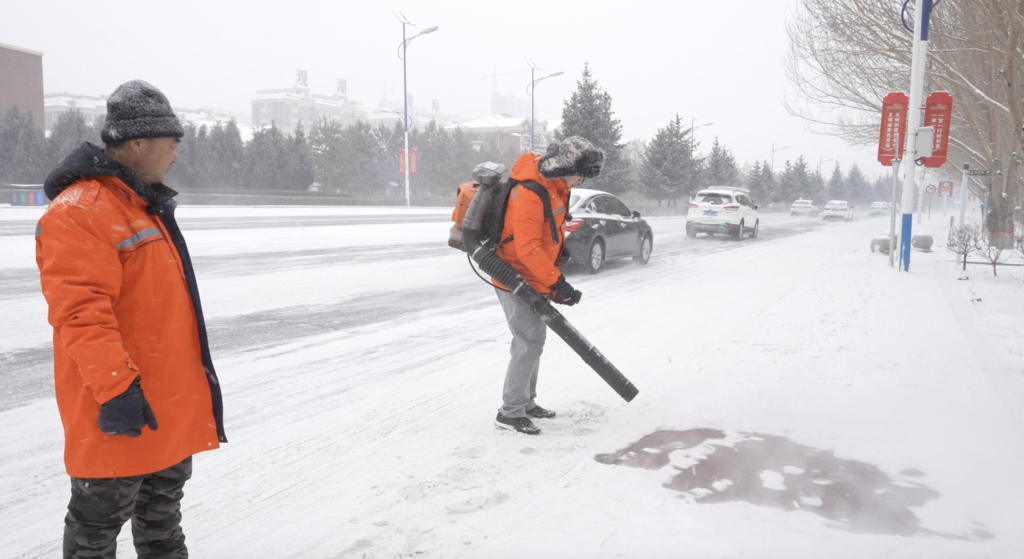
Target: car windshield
x=714, y=198
x=835, y=205
x=802, y=203
x=878, y=205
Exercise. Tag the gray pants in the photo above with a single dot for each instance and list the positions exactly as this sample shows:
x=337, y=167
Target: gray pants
x=528, y=334
x=99, y=507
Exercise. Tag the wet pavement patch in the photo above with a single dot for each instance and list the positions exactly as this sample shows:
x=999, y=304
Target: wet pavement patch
x=711, y=466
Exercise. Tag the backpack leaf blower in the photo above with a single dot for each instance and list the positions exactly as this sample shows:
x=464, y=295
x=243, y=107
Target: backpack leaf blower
x=482, y=208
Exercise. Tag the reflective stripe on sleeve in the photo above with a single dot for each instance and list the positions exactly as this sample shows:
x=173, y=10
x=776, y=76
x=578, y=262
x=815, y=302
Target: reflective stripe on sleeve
x=138, y=237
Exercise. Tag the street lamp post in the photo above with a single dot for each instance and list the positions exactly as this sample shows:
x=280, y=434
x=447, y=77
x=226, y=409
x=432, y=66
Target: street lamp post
x=775, y=149
x=529, y=91
x=405, y=90
x=693, y=138
x=820, y=161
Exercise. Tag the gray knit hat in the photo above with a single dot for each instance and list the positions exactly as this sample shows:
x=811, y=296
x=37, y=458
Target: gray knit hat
x=136, y=109
x=573, y=156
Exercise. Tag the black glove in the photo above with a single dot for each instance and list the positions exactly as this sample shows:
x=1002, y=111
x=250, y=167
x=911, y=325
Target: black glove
x=563, y=258
x=127, y=413
x=563, y=293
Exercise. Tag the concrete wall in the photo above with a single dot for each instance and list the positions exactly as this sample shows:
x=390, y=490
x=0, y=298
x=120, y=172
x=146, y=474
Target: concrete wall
x=22, y=81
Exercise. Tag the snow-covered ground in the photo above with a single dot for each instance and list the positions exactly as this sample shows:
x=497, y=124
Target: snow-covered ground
x=798, y=398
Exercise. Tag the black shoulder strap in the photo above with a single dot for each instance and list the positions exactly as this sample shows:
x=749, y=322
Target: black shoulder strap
x=545, y=199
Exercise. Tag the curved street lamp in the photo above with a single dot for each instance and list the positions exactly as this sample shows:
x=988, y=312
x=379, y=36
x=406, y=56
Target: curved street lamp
x=402, y=47
x=775, y=149
x=529, y=91
x=693, y=138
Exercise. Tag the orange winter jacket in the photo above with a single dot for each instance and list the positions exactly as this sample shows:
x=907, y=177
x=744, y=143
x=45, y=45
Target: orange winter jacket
x=120, y=307
x=532, y=251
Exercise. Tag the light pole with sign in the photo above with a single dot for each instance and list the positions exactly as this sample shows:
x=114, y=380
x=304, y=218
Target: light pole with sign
x=405, y=91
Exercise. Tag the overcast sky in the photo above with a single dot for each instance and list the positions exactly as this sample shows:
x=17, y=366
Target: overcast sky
x=719, y=62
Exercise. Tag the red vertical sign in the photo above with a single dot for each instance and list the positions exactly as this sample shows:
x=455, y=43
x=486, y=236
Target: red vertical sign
x=938, y=112
x=413, y=161
x=894, y=127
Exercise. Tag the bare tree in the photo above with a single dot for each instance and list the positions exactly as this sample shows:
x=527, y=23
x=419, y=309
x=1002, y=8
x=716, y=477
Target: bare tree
x=991, y=251
x=964, y=240
x=845, y=55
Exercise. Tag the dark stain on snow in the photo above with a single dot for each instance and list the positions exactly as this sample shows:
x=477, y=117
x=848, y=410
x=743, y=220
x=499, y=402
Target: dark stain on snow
x=710, y=466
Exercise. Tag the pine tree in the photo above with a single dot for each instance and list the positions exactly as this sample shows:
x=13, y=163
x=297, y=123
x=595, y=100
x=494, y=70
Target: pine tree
x=184, y=173
x=857, y=187
x=836, y=187
x=298, y=169
x=761, y=182
x=721, y=168
x=21, y=149
x=227, y=155
x=69, y=131
x=794, y=182
x=588, y=113
x=666, y=163
x=266, y=158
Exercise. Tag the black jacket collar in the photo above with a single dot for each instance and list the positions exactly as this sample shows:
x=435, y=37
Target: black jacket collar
x=90, y=160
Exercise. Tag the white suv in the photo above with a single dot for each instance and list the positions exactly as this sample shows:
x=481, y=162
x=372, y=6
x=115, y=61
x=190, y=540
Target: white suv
x=838, y=209
x=722, y=209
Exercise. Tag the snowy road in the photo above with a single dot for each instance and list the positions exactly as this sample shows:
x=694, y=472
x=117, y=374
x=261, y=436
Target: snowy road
x=30, y=362
x=828, y=406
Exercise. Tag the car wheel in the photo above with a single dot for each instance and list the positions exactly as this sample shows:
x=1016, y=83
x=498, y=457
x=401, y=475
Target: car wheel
x=691, y=232
x=646, y=245
x=757, y=226
x=739, y=231
x=596, y=256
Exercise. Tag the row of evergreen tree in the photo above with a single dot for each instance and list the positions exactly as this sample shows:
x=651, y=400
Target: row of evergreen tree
x=361, y=160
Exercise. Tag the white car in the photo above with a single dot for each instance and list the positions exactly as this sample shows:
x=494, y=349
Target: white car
x=838, y=209
x=878, y=208
x=804, y=206
x=722, y=209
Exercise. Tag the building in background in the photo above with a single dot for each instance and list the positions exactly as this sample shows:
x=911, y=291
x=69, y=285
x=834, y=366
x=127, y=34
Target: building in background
x=21, y=81
x=94, y=109
x=288, y=107
x=502, y=132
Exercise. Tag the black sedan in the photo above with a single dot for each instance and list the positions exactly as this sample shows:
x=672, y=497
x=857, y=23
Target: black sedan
x=601, y=228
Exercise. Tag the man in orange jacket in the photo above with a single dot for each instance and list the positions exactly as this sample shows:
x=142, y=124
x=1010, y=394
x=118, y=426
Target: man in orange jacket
x=135, y=384
x=534, y=244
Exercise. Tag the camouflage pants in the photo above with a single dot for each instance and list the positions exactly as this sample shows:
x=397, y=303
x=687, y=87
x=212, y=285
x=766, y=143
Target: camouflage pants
x=99, y=507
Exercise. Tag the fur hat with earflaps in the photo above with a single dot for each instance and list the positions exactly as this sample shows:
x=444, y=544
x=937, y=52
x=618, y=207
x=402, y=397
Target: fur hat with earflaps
x=136, y=109
x=572, y=157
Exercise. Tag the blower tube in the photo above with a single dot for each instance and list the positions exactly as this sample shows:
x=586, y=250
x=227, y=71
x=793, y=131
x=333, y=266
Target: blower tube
x=506, y=275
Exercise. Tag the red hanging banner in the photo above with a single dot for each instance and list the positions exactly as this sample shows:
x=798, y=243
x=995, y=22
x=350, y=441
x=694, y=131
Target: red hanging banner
x=413, y=161
x=938, y=112
x=894, y=127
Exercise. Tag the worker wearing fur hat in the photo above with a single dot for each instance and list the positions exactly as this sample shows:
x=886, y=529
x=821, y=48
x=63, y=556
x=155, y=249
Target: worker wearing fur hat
x=535, y=253
x=135, y=384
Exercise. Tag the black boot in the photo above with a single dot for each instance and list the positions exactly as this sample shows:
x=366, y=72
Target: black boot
x=520, y=424
x=540, y=413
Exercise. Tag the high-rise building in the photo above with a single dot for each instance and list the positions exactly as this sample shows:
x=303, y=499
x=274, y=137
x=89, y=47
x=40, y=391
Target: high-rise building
x=22, y=83
x=288, y=107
